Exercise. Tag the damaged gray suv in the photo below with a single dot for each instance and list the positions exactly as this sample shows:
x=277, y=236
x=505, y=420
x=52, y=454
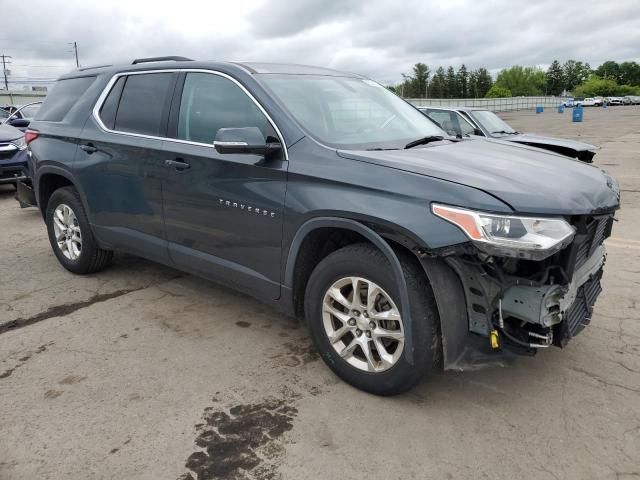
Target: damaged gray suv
x=322, y=193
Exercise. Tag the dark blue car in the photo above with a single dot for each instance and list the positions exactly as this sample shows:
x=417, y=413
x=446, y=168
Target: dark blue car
x=13, y=155
x=404, y=250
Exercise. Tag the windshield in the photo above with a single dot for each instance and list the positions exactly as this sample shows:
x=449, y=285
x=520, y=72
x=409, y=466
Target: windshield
x=4, y=114
x=491, y=122
x=350, y=113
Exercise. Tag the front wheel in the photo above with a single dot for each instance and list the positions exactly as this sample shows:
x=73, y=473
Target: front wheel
x=352, y=307
x=70, y=234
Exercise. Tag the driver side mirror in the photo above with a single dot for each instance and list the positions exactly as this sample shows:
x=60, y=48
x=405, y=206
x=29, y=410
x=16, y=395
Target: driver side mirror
x=244, y=140
x=19, y=122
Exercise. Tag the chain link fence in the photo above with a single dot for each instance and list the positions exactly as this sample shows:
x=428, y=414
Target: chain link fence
x=493, y=104
x=20, y=98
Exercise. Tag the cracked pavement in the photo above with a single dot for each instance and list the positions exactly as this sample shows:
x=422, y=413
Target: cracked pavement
x=144, y=372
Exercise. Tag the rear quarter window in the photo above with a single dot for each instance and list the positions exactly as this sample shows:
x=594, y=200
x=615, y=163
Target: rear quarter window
x=110, y=106
x=62, y=97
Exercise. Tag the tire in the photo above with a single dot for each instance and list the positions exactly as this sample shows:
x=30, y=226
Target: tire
x=86, y=256
x=368, y=264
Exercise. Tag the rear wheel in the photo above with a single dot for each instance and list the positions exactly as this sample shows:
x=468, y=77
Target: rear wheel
x=70, y=234
x=352, y=305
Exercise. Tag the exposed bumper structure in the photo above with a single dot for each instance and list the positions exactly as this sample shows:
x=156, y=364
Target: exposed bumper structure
x=493, y=309
x=547, y=305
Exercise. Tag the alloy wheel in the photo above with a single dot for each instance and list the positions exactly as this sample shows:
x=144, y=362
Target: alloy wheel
x=67, y=232
x=363, y=324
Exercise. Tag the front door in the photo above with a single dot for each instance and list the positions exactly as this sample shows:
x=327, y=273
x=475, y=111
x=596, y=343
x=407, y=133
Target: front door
x=223, y=212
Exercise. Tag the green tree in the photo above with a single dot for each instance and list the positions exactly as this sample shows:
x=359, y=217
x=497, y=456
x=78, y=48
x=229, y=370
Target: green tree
x=421, y=78
x=484, y=82
x=415, y=85
x=609, y=70
x=629, y=73
x=473, y=85
x=452, y=84
x=627, y=90
x=555, y=78
x=497, y=91
x=522, y=81
x=462, y=79
x=597, y=87
x=575, y=73
x=438, y=87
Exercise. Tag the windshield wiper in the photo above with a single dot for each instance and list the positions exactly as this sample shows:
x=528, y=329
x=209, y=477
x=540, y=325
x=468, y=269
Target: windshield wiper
x=379, y=149
x=423, y=141
x=504, y=132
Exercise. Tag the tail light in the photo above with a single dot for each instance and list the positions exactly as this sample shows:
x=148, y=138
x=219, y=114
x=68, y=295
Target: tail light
x=31, y=135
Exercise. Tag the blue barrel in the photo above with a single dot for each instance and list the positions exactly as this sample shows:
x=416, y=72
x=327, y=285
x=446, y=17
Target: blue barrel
x=539, y=109
x=577, y=114
x=560, y=108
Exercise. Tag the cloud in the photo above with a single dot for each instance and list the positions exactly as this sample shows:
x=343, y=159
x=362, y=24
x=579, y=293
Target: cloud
x=281, y=19
x=378, y=38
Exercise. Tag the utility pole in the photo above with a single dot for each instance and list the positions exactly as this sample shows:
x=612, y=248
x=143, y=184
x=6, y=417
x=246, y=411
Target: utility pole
x=4, y=70
x=75, y=50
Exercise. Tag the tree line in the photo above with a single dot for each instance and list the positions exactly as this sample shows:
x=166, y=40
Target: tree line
x=572, y=77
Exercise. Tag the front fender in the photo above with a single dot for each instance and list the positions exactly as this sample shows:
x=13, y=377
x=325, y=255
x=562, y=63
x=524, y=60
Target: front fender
x=375, y=239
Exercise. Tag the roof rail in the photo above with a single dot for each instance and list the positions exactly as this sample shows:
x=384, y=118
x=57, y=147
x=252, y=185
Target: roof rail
x=161, y=59
x=92, y=67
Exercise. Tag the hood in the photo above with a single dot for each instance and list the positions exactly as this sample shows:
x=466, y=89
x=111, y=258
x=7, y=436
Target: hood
x=531, y=139
x=8, y=133
x=527, y=179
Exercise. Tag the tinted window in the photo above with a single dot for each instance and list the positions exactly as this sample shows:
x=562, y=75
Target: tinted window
x=465, y=126
x=491, y=122
x=442, y=118
x=62, y=97
x=110, y=105
x=211, y=102
x=451, y=122
x=30, y=110
x=142, y=103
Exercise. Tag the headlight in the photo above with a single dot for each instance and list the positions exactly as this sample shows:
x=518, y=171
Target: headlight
x=19, y=143
x=510, y=236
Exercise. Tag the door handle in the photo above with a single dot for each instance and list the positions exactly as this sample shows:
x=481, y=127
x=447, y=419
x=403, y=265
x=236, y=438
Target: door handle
x=89, y=148
x=177, y=164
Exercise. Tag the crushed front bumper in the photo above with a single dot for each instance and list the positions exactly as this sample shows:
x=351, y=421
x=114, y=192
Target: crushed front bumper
x=469, y=305
x=13, y=166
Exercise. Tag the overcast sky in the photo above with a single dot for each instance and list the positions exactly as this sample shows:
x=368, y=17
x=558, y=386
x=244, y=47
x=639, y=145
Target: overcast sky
x=378, y=38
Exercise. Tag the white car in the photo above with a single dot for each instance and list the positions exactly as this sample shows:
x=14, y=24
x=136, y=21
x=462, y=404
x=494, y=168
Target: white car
x=591, y=102
x=615, y=101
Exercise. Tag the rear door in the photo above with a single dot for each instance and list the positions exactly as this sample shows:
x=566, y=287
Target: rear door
x=223, y=212
x=119, y=167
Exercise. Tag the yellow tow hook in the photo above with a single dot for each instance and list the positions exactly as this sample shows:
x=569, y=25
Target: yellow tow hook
x=493, y=339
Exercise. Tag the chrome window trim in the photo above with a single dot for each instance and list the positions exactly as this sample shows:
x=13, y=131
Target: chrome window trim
x=105, y=92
